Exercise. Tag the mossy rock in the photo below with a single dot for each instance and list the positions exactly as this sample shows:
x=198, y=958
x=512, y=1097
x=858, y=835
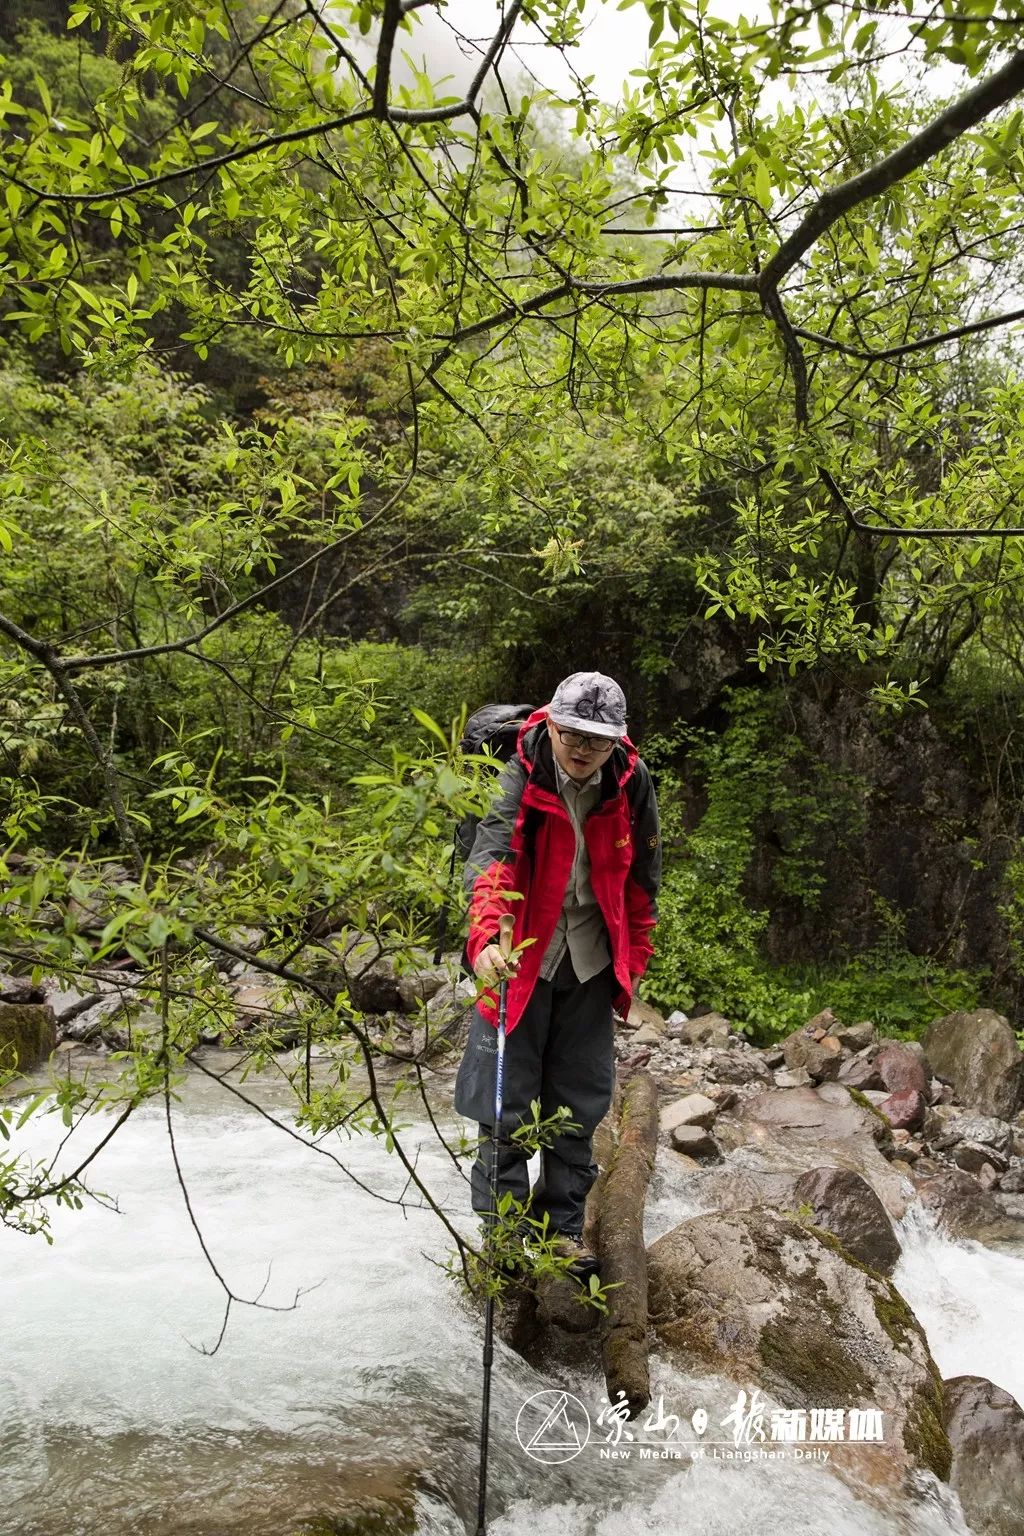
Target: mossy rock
x=28, y=1035
x=772, y=1301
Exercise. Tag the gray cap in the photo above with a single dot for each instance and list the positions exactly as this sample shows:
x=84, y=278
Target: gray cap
x=591, y=703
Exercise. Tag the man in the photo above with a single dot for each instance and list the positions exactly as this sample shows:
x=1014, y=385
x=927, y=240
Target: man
x=575, y=833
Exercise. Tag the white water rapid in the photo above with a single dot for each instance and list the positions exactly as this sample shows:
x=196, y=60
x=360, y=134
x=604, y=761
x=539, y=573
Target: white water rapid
x=112, y=1424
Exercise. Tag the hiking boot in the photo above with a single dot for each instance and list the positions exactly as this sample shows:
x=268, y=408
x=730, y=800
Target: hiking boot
x=583, y=1260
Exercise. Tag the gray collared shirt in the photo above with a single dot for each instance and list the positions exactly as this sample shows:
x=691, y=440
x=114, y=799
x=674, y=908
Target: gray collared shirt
x=580, y=927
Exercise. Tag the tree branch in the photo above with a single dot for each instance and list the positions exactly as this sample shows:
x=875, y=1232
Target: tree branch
x=883, y=531
x=882, y=354
x=971, y=108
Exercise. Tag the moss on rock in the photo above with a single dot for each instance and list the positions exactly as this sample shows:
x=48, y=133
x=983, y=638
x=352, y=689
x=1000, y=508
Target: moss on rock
x=865, y=1103
x=814, y=1362
x=28, y=1035
x=924, y=1434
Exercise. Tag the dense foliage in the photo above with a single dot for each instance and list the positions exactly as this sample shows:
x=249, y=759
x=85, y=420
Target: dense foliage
x=335, y=399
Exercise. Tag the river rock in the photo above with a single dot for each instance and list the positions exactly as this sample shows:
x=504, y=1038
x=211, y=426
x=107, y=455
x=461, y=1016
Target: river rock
x=448, y=1014
x=845, y=1204
x=978, y=1054
x=100, y=1024
x=647, y=1035
x=975, y=1157
x=695, y=1141
x=904, y=1110
x=963, y=1209
x=642, y=1013
x=1012, y=1182
x=985, y=1426
x=358, y=964
x=253, y=999
x=763, y=1298
x=793, y=1077
x=420, y=983
x=901, y=1068
x=267, y=1003
x=28, y=1034
x=737, y=1064
x=860, y=1072
x=20, y=989
x=822, y=1058
x=937, y=1120
x=793, y=1130
x=855, y=1037
x=695, y=1109
x=66, y=1001
x=707, y=1029
x=983, y=1129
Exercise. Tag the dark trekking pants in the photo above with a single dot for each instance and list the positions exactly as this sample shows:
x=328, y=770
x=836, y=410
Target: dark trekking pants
x=560, y=1052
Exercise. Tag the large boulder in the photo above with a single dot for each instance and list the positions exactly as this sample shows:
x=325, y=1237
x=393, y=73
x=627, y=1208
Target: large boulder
x=978, y=1054
x=761, y=1297
x=860, y=1071
x=986, y=1130
x=904, y=1110
x=843, y=1203
x=794, y=1130
x=985, y=1426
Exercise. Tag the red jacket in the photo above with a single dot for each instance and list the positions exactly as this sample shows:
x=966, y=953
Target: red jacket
x=526, y=845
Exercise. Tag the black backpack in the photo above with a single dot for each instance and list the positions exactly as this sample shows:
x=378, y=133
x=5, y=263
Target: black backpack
x=494, y=730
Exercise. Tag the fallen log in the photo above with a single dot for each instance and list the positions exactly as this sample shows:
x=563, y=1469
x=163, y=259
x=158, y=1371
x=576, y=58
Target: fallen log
x=615, y=1228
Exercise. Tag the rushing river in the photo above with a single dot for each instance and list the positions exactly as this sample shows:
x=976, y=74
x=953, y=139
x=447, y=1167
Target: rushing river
x=113, y=1423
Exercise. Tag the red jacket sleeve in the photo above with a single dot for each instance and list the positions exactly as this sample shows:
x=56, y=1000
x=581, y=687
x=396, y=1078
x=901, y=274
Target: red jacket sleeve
x=490, y=869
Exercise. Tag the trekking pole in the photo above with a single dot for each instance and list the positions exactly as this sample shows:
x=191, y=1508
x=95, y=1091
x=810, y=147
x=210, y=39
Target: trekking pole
x=505, y=927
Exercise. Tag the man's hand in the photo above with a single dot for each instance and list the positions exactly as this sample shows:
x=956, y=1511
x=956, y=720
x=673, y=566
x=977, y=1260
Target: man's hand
x=490, y=964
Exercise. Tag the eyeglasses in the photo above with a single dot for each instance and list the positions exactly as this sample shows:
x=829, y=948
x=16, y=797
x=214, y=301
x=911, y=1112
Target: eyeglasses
x=585, y=743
